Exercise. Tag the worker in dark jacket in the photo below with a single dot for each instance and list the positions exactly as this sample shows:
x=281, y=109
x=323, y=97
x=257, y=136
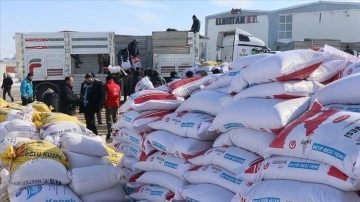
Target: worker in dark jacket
x=196, y=24
x=68, y=99
x=6, y=86
x=91, y=101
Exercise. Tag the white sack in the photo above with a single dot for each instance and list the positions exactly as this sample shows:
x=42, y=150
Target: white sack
x=350, y=108
x=193, y=125
x=339, y=92
x=351, y=69
x=168, y=163
x=335, y=53
x=113, y=194
x=212, y=174
x=321, y=134
x=127, y=162
x=138, y=121
x=243, y=62
x=18, y=125
x=233, y=159
x=294, y=191
x=83, y=145
x=126, y=135
x=327, y=70
x=251, y=113
x=253, y=140
x=184, y=87
x=153, y=194
x=178, y=146
x=43, y=193
x=130, y=149
x=62, y=127
x=114, y=69
x=280, y=90
x=82, y=160
x=144, y=84
x=37, y=172
x=206, y=193
x=284, y=66
x=205, y=101
x=163, y=179
x=94, y=179
x=223, y=80
x=290, y=168
x=24, y=115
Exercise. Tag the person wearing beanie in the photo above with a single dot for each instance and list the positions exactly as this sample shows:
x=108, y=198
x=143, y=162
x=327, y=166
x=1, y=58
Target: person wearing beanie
x=26, y=90
x=91, y=101
x=98, y=114
x=196, y=24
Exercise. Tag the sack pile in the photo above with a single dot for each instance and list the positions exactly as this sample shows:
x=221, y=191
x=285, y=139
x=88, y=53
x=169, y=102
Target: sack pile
x=56, y=160
x=273, y=127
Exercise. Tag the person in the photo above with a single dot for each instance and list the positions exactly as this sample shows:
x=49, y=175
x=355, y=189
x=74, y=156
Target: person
x=155, y=77
x=348, y=50
x=68, y=99
x=91, y=101
x=6, y=86
x=136, y=77
x=173, y=76
x=196, y=24
x=133, y=50
x=189, y=74
x=26, y=89
x=98, y=114
x=111, y=103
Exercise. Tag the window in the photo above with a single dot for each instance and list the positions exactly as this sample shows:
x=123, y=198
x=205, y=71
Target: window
x=243, y=38
x=285, y=26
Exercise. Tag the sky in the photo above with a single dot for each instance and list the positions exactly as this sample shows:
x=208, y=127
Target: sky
x=127, y=17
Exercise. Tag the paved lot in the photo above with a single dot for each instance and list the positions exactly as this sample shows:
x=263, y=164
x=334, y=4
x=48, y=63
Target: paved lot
x=15, y=91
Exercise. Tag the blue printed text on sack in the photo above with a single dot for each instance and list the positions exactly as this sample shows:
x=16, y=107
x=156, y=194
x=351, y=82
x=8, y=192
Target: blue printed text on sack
x=187, y=125
x=267, y=199
x=234, y=158
x=170, y=165
x=302, y=165
x=328, y=150
x=230, y=178
x=233, y=125
x=158, y=145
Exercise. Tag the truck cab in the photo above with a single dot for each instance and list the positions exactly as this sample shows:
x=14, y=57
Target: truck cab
x=237, y=43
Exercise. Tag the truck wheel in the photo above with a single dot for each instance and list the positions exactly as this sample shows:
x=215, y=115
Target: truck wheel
x=40, y=90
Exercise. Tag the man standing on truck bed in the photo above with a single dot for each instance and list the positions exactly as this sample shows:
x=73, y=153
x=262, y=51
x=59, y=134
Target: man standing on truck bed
x=26, y=89
x=133, y=49
x=196, y=24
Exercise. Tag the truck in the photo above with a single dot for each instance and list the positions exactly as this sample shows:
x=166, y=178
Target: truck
x=51, y=56
x=176, y=50
x=237, y=43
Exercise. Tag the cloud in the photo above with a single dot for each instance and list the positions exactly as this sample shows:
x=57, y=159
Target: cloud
x=145, y=4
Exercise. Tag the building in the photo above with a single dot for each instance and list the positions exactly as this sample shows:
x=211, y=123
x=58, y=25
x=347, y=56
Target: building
x=8, y=66
x=334, y=23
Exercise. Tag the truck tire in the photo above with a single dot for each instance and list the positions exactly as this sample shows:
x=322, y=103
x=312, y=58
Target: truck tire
x=40, y=90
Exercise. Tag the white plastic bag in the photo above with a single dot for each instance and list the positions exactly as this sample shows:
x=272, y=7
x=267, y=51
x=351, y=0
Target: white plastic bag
x=243, y=62
x=57, y=129
x=327, y=70
x=83, y=145
x=184, y=87
x=82, y=160
x=130, y=149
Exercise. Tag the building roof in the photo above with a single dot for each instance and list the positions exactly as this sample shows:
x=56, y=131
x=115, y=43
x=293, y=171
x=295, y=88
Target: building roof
x=317, y=3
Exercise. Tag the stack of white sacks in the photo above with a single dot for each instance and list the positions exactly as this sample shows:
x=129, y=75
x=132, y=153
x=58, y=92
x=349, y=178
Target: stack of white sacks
x=263, y=108
x=63, y=161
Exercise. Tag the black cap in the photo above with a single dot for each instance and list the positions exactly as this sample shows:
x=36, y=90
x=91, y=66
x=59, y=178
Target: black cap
x=92, y=74
x=194, y=16
x=88, y=75
x=30, y=74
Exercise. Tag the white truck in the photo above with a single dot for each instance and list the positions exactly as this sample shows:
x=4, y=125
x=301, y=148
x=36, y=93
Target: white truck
x=175, y=50
x=51, y=56
x=236, y=43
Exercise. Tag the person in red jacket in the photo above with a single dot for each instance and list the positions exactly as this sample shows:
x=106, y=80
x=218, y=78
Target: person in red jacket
x=112, y=103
